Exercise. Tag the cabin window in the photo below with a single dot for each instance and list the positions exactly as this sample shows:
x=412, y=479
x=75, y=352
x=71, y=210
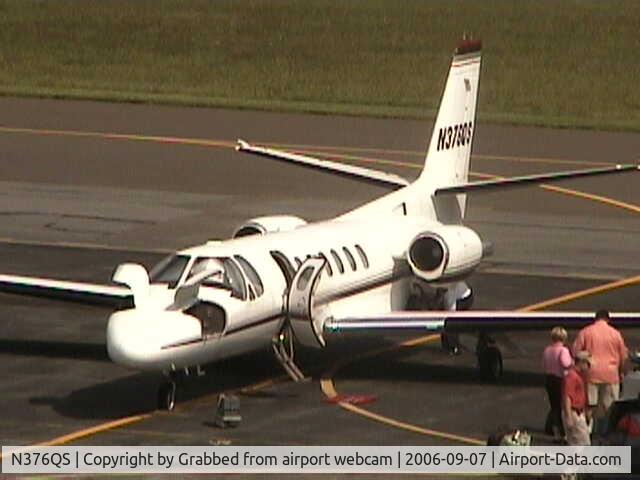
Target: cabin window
x=339, y=263
x=251, y=273
x=303, y=279
x=235, y=279
x=350, y=258
x=285, y=266
x=169, y=270
x=327, y=265
x=363, y=256
x=229, y=276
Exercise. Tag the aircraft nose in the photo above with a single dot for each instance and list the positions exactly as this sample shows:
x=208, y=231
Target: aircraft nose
x=142, y=339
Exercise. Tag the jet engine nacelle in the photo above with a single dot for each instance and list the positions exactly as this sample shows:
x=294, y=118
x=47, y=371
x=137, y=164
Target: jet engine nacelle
x=445, y=254
x=272, y=224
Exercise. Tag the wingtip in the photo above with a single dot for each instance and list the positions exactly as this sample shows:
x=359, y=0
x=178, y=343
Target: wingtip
x=241, y=145
x=468, y=45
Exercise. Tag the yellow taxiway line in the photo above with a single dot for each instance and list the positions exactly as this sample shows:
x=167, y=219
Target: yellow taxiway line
x=120, y=136
x=625, y=282
x=573, y=193
x=203, y=142
x=326, y=382
x=130, y=420
x=419, y=153
x=318, y=150
x=328, y=387
x=87, y=432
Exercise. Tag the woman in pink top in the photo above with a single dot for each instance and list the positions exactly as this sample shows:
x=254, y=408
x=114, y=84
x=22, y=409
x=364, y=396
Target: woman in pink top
x=556, y=361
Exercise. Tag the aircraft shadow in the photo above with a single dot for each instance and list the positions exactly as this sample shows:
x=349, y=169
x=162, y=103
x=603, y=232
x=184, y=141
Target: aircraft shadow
x=397, y=367
x=50, y=349
x=135, y=394
x=399, y=364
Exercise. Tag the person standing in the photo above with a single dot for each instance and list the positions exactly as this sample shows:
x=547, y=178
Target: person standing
x=556, y=361
x=608, y=352
x=574, y=405
x=574, y=401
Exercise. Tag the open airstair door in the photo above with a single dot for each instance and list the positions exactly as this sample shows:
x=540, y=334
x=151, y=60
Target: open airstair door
x=307, y=319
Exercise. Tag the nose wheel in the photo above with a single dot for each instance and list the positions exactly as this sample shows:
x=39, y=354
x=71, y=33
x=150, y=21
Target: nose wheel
x=167, y=394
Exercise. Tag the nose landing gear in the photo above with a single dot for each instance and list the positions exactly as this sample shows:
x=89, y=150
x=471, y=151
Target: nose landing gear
x=167, y=392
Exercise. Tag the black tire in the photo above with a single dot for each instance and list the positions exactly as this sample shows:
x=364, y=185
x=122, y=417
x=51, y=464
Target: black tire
x=167, y=396
x=450, y=343
x=490, y=364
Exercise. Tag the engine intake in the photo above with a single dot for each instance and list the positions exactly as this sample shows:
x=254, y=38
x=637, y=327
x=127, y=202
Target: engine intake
x=272, y=224
x=445, y=254
x=427, y=253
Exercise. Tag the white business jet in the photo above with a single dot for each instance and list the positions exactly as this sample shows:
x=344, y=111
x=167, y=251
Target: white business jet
x=396, y=263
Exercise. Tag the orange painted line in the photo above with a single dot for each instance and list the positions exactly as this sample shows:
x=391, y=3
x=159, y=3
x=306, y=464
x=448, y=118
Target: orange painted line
x=328, y=388
x=123, y=422
x=590, y=196
x=229, y=144
x=574, y=193
x=326, y=384
x=422, y=154
x=87, y=432
x=380, y=161
x=506, y=158
x=311, y=148
x=625, y=282
x=121, y=136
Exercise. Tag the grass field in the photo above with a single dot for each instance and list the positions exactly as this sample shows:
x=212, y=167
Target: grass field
x=560, y=63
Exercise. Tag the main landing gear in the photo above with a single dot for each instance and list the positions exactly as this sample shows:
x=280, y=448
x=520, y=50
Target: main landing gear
x=450, y=343
x=489, y=357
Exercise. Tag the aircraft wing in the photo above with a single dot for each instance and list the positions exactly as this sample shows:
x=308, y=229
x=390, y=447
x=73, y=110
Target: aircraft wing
x=473, y=321
x=525, y=180
x=85, y=293
x=360, y=173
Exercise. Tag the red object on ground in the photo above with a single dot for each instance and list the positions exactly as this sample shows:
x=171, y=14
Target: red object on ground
x=352, y=399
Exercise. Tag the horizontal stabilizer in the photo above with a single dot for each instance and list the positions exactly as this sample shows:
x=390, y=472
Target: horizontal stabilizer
x=474, y=321
x=359, y=173
x=85, y=293
x=525, y=180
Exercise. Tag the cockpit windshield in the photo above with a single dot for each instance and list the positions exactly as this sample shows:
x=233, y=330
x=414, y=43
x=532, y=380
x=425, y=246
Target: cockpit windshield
x=219, y=272
x=169, y=270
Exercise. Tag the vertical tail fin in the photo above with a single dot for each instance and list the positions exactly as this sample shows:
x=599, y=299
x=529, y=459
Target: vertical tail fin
x=447, y=160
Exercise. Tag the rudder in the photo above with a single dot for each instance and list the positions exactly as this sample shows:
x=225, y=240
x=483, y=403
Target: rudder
x=447, y=160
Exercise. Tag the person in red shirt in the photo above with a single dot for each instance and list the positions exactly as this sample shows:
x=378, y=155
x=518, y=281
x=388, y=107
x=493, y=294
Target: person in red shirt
x=574, y=401
x=609, y=353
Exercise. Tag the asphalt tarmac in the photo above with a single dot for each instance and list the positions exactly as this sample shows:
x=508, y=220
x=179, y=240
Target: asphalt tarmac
x=86, y=186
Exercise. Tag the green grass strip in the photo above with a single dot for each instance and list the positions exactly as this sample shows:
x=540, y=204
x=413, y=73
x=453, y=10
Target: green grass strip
x=571, y=63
